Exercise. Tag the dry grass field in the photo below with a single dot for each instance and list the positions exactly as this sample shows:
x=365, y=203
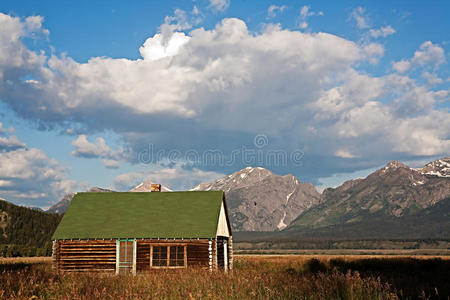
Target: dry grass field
x=254, y=277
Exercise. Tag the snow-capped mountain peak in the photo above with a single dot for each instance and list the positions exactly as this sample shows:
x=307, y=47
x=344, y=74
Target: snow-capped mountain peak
x=439, y=168
x=146, y=186
x=263, y=201
x=244, y=177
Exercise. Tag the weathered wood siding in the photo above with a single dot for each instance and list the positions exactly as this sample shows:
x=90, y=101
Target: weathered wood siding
x=100, y=255
x=85, y=255
x=198, y=254
x=220, y=252
x=230, y=253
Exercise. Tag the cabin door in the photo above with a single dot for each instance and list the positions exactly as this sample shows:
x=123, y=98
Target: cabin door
x=126, y=256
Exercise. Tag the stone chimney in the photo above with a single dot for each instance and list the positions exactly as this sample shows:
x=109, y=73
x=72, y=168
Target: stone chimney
x=155, y=187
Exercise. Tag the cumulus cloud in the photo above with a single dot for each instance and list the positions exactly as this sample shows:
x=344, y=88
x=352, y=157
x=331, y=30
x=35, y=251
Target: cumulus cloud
x=179, y=21
x=10, y=143
x=361, y=19
x=110, y=163
x=382, y=32
x=306, y=12
x=3, y=130
x=99, y=149
x=221, y=86
x=429, y=54
x=154, y=48
x=219, y=5
x=274, y=10
x=344, y=154
x=401, y=66
x=432, y=79
x=13, y=54
x=29, y=177
x=374, y=52
x=171, y=177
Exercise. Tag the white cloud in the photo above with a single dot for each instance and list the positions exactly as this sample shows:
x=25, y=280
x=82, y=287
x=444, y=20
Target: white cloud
x=30, y=177
x=306, y=12
x=401, y=66
x=110, y=163
x=3, y=130
x=13, y=53
x=382, y=32
x=99, y=149
x=274, y=10
x=179, y=21
x=423, y=135
x=432, y=79
x=344, y=154
x=195, y=10
x=10, y=143
x=374, y=52
x=361, y=19
x=223, y=84
x=219, y=5
x=428, y=54
x=154, y=47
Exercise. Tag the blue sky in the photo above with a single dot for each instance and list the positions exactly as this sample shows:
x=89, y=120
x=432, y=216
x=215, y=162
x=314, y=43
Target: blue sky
x=96, y=93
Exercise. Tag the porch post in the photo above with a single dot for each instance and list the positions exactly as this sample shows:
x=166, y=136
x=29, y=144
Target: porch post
x=117, y=256
x=225, y=256
x=134, y=256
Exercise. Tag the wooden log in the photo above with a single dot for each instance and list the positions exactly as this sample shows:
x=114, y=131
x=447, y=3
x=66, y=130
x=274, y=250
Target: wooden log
x=215, y=265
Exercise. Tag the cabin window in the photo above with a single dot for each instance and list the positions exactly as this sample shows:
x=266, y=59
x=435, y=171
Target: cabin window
x=168, y=256
x=159, y=256
x=176, y=256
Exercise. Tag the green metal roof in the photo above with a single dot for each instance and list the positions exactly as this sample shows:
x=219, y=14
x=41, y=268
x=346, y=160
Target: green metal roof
x=141, y=215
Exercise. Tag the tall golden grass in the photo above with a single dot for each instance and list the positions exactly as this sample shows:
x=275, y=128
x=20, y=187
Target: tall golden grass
x=254, y=277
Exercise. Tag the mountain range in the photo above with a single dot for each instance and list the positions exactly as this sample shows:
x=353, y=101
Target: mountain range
x=394, y=202
x=259, y=200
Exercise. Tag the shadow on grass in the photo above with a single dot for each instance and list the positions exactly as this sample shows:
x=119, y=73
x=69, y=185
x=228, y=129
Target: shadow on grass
x=411, y=278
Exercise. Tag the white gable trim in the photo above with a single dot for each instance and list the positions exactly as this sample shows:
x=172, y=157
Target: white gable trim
x=222, y=226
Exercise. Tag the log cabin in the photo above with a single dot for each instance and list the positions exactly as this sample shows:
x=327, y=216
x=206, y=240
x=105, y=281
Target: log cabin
x=124, y=232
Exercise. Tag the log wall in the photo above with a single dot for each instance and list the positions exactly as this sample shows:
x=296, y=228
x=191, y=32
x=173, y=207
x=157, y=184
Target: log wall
x=85, y=255
x=100, y=255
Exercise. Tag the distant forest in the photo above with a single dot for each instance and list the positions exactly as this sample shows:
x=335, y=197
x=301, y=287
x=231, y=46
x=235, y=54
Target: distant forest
x=25, y=231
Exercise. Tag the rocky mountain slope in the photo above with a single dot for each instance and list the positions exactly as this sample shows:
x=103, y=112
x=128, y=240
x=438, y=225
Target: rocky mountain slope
x=259, y=200
x=391, y=194
x=439, y=168
x=63, y=204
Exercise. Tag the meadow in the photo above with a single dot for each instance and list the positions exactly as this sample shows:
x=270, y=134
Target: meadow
x=253, y=277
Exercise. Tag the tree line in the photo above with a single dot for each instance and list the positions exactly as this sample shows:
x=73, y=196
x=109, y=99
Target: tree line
x=25, y=231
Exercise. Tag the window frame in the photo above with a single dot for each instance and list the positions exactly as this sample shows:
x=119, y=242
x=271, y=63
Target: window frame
x=168, y=266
